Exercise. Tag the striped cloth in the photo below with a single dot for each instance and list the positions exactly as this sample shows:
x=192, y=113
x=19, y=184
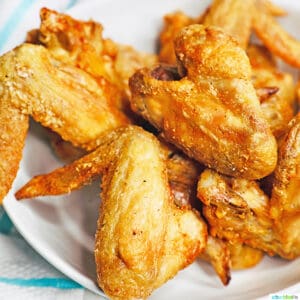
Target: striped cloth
x=23, y=273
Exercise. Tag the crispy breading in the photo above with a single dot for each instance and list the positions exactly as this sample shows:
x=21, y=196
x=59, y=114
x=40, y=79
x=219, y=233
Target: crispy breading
x=218, y=254
x=143, y=239
x=275, y=38
x=81, y=43
x=276, y=89
x=271, y=8
x=243, y=256
x=61, y=97
x=238, y=210
x=173, y=23
x=285, y=200
x=212, y=113
x=233, y=16
x=13, y=130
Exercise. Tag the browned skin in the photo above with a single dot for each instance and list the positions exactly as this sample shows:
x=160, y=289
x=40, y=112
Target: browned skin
x=247, y=215
x=285, y=200
x=182, y=174
x=173, y=23
x=218, y=254
x=143, y=238
x=212, y=113
x=271, y=8
x=276, y=90
x=275, y=38
x=243, y=256
x=237, y=210
x=233, y=16
x=13, y=130
x=59, y=96
x=81, y=43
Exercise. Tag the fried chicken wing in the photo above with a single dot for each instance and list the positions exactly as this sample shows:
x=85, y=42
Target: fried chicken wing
x=13, y=130
x=271, y=8
x=248, y=215
x=275, y=38
x=173, y=23
x=243, y=256
x=285, y=200
x=237, y=210
x=276, y=89
x=211, y=113
x=59, y=96
x=233, y=16
x=81, y=43
x=218, y=254
x=143, y=239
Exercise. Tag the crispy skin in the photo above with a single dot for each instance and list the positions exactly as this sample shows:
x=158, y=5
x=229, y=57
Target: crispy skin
x=173, y=23
x=218, y=254
x=285, y=200
x=276, y=89
x=275, y=38
x=271, y=8
x=81, y=43
x=61, y=97
x=243, y=257
x=212, y=113
x=238, y=210
x=143, y=238
x=233, y=16
x=13, y=130
x=64, y=150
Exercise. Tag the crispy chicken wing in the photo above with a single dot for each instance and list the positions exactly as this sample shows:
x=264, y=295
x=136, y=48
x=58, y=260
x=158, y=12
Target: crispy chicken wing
x=237, y=209
x=81, y=43
x=61, y=97
x=143, y=238
x=275, y=89
x=233, y=16
x=275, y=38
x=173, y=23
x=13, y=129
x=211, y=111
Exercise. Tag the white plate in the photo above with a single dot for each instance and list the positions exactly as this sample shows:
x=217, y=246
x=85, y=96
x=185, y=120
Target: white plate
x=62, y=229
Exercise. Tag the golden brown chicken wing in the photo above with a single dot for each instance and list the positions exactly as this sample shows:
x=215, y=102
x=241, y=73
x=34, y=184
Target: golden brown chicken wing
x=13, y=130
x=211, y=112
x=81, y=43
x=143, y=238
x=275, y=89
x=173, y=23
x=275, y=38
x=238, y=209
x=233, y=16
x=60, y=96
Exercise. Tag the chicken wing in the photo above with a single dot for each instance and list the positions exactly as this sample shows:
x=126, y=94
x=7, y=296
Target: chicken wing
x=233, y=16
x=81, y=43
x=276, y=89
x=61, y=97
x=143, y=239
x=210, y=111
x=173, y=23
x=275, y=38
x=239, y=210
x=13, y=130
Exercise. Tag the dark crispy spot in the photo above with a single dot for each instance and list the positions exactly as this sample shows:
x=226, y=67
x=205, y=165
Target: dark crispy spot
x=165, y=73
